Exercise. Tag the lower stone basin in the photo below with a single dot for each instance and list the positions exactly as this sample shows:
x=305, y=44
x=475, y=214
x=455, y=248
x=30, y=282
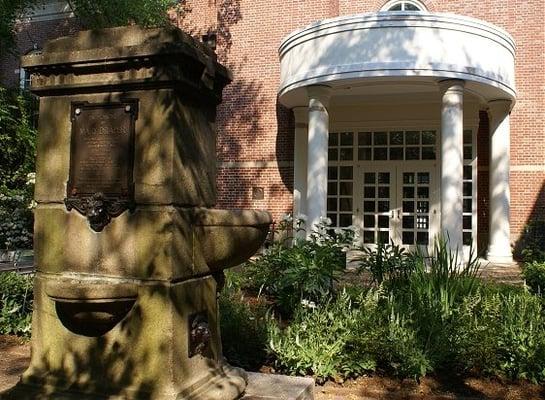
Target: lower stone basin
x=91, y=309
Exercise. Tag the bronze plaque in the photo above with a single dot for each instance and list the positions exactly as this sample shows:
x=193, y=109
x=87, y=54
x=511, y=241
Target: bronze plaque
x=101, y=159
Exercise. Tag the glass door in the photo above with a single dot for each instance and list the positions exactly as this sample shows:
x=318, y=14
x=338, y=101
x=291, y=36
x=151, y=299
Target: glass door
x=398, y=205
x=378, y=205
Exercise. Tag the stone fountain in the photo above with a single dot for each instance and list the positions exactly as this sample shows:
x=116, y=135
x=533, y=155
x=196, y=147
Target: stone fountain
x=128, y=251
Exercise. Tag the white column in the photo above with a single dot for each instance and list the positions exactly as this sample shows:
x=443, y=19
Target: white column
x=300, y=161
x=452, y=163
x=499, y=247
x=318, y=134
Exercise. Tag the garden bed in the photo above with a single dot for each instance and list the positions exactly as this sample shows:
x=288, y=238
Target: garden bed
x=15, y=356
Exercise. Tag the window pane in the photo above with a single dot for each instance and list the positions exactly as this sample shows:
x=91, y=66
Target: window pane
x=467, y=189
x=397, y=7
x=428, y=137
x=346, y=188
x=383, y=221
x=408, y=206
x=396, y=153
x=365, y=139
x=369, y=192
x=384, y=191
x=369, y=177
x=332, y=173
x=412, y=153
x=467, y=153
x=468, y=139
x=383, y=206
x=346, y=172
x=467, y=238
x=428, y=153
x=333, y=218
x=369, y=206
x=345, y=220
x=412, y=137
x=422, y=207
x=380, y=138
x=411, y=7
x=380, y=153
x=332, y=188
x=408, y=192
x=332, y=204
x=333, y=154
x=383, y=177
x=422, y=222
x=347, y=154
x=408, y=222
x=364, y=153
x=423, y=178
x=368, y=221
x=408, y=177
x=423, y=192
x=383, y=237
x=467, y=172
x=467, y=222
x=347, y=139
x=396, y=138
x=467, y=205
x=368, y=237
x=422, y=238
x=345, y=204
x=408, y=238
x=333, y=139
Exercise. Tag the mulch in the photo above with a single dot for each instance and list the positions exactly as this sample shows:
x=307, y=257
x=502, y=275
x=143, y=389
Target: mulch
x=15, y=356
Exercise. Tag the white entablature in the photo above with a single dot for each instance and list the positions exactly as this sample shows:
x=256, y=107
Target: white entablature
x=390, y=45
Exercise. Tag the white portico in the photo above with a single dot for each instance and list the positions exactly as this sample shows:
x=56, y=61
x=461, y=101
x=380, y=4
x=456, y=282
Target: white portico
x=387, y=109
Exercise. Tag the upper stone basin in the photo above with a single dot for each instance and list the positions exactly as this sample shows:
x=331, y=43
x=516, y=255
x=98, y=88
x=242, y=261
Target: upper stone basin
x=227, y=238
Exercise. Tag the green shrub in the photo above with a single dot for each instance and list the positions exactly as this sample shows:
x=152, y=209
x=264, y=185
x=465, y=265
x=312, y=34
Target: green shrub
x=17, y=140
x=243, y=327
x=15, y=304
x=296, y=270
x=534, y=274
x=501, y=333
x=318, y=341
x=386, y=262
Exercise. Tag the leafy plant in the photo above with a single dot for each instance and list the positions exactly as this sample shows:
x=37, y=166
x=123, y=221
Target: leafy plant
x=243, y=326
x=15, y=304
x=295, y=270
x=386, y=261
x=534, y=274
x=17, y=139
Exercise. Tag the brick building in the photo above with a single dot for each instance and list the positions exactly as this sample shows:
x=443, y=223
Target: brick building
x=400, y=117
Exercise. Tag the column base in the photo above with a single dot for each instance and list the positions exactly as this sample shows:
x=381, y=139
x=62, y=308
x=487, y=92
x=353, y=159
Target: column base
x=498, y=258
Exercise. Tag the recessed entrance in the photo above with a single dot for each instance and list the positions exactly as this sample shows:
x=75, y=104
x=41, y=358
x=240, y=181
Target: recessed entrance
x=386, y=184
x=397, y=204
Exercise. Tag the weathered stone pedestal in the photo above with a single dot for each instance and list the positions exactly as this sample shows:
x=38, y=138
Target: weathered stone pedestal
x=128, y=251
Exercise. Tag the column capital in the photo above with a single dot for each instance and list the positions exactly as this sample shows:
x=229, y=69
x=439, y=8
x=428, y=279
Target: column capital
x=321, y=93
x=451, y=85
x=499, y=107
x=301, y=116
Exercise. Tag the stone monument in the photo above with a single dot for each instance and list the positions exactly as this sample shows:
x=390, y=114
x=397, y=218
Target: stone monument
x=128, y=251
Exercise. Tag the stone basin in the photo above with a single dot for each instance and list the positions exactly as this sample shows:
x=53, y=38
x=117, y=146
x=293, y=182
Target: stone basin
x=91, y=307
x=225, y=238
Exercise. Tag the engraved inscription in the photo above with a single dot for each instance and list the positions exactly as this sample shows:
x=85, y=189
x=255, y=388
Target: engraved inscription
x=101, y=159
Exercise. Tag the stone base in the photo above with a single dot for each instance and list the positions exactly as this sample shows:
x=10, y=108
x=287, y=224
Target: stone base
x=226, y=386
x=278, y=387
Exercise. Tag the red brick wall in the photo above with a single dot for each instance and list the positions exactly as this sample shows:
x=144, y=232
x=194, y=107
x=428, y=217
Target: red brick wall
x=250, y=130
x=252, y=127
x=29, y=36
